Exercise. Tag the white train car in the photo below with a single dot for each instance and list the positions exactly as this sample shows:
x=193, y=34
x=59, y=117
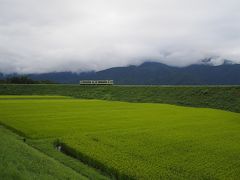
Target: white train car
x=96, y=82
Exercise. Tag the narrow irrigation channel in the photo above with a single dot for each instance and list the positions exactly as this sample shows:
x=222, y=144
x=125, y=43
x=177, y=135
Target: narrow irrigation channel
x=26, y=139
x=103, y=169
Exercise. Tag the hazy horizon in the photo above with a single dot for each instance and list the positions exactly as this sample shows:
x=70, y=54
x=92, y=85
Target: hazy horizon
x=60, y=35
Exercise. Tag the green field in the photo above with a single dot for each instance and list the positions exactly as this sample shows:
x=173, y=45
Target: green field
x=19, y=161
x=217, y=97
x=131, y=140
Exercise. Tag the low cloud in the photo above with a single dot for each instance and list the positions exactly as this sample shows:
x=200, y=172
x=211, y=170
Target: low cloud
x=72, y=35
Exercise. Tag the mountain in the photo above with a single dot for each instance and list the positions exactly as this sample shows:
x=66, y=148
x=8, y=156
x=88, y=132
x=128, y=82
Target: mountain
x=153, y=73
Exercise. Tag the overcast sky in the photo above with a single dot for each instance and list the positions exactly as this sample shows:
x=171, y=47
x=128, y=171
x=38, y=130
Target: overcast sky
x=81, y=35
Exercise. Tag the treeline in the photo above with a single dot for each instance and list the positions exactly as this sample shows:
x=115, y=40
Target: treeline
x=23, y=80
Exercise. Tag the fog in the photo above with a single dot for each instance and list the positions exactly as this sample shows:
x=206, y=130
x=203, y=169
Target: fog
x=83, y=35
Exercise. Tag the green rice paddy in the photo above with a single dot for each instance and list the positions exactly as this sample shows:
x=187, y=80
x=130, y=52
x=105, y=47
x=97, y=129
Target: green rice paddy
x=18, y=161
x=132, y=140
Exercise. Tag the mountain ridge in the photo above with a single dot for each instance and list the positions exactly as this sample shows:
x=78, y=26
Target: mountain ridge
x=155, y=73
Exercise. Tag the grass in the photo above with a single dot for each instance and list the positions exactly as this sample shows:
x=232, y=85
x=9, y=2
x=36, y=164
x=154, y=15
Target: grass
x=19, y=161
x=218, y=97
x=133, y=140
x=46, y=146
x=32, y=97
x=43, y=145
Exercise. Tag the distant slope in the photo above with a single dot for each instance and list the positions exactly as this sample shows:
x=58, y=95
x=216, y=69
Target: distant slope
x=220, y=97
x=152, y=73
x=160, y=74
x=20, y=161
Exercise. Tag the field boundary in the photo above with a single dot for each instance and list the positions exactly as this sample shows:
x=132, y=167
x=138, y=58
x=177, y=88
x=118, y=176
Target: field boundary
x=110, y=172
x=22, y=136
x=216, y=97
x=14, y=130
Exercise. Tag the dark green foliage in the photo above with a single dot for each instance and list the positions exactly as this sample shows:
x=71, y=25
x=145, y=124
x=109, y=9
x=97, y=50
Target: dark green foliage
x=23, y=80
x=220, y=97
x=19, y=80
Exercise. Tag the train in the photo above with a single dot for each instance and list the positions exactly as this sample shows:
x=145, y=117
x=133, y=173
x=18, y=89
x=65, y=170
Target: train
x=96, y=82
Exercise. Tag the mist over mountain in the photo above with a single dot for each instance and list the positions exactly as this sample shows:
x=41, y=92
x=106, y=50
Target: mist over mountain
x=78, y=36
x=154, y=73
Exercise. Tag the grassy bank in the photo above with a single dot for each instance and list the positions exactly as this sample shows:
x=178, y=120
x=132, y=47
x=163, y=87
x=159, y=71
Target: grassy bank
x=219, y=97
x=48, y=147
x=20, y=161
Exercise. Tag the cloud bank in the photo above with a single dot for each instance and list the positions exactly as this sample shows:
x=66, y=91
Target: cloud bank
x=80, y=35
